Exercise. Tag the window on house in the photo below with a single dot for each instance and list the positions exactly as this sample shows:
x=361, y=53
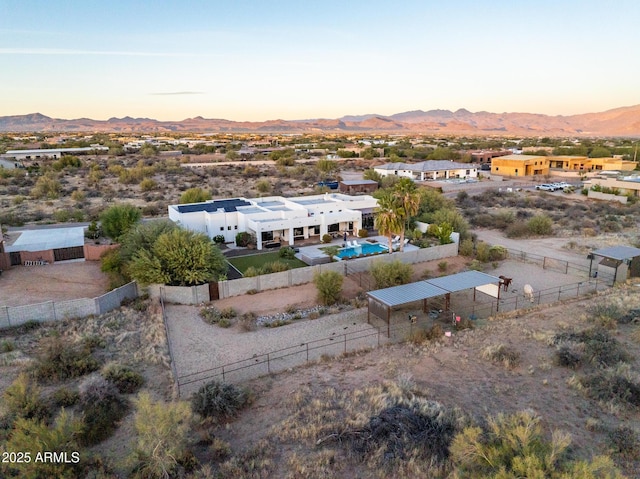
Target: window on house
x=222, y=228
x=235, y=227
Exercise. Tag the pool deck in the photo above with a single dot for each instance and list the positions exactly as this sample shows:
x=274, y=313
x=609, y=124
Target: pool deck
x=315, y=251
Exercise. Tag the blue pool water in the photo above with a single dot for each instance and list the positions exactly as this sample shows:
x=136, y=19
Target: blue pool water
x=364, y=248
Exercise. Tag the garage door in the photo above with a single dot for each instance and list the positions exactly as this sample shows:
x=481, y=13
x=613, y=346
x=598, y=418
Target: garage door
x=64, y=254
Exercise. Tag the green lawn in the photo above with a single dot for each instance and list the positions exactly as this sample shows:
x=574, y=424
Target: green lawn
x=260, y=259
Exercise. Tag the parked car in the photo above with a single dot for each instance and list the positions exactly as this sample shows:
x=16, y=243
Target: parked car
x=546, y=187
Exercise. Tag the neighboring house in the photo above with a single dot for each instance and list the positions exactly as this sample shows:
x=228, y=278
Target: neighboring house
x=53, y=153
x=276, y=218
x=354, y=187
x=584, y=163
x=429, y=170
x=8, y=164
x=520, y=165
x=485, y=156
x=625, y=185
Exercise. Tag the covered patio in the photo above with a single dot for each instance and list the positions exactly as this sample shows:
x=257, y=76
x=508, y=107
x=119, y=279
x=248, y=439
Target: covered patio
x=381, y=302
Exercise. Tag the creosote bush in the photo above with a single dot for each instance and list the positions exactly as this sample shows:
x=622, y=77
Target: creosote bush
x=125, y=379
x=102, y=408
x=161, y=446
x=217, y=400
x=61, y=359
x=392, y=273
x=22, y=399
x=329, y=286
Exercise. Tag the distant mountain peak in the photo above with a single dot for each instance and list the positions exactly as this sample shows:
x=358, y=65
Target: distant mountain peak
x=623, y=121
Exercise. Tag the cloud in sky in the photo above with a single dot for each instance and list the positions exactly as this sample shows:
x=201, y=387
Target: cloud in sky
x=172, y=93
x=65, y=51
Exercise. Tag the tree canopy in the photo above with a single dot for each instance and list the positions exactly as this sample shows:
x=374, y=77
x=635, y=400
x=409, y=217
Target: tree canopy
x=179, y=258
x=194, y=195
x=118, y=219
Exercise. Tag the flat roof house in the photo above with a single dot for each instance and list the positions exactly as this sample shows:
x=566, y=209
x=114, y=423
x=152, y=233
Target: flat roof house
x=520, y=165
x=276, y=218
x=429, y=170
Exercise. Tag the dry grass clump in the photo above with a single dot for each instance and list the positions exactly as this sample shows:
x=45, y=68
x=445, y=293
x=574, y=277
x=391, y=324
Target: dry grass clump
x=625, y=441
x=62, y=359
x=212, y=315
x=102, y=407
x=421, y=336
x=126, y=380
x=502, y=354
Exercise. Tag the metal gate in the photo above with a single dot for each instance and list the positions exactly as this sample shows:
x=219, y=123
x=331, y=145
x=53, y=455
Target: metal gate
x=214, y=293
x=15, y=258
x=64, y=254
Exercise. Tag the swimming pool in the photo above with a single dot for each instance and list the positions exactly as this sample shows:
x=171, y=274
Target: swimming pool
x=363, y=249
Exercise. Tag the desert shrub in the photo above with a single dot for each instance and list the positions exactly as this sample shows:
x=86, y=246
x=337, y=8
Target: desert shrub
x=125, y=379
x=224, y=323
x=277, y=323
x=217, y=399
x=362, y=233
x=625, y=441
x=46, y=187
x=118, y=219
x=540, y=225
x=420, y=336
x=482, y=251
x=148, y=184
x=442, y=266
x=60, y=360
x=463, y=324
x=612, y=385
x=252, y=271
x=569, y=355
x=329, y=286
x=243, y=239
x=161, y=445
x=65, y=397
x=498, y=253
x=102, y=408
x=517, y=229
x=247, y=322
x=228, y=313
x=22, y=399
x=287, y=253
x=594, y=345
x=392, y=273
x=253, y=291
x=218, y=239
x=275, y=267
x=326, y=238
x=194, y=195
x=605, y=312
x=466, y=247
x=6, y=346
x=502, y=354
x=34, y=436
x=515, y=446
x=210, y=314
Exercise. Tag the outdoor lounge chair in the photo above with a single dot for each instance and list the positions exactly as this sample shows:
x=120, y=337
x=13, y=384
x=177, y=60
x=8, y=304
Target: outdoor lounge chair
x=356, y=244
x=395, y=239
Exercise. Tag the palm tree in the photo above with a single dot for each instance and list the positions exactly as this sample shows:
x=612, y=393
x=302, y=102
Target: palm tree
x=386, y=220
x=409, y=199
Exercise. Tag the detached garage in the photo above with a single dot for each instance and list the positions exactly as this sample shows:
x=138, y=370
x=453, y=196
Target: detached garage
x=42, y=246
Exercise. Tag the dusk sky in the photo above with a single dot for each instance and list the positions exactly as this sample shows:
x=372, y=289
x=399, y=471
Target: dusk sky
x=261, y=60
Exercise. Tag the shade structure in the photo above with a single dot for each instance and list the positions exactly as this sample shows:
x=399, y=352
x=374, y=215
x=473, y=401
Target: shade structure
x=406, y=293
x=461, y=281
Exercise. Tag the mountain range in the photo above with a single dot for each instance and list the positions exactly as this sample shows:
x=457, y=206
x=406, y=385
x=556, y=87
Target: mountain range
x=623, y=121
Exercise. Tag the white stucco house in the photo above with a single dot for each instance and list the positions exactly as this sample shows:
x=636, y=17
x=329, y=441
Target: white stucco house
x=276, y=218
x=429, y=170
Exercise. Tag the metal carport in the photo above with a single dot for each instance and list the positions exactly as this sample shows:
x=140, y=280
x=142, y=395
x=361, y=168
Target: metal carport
x=381, y=301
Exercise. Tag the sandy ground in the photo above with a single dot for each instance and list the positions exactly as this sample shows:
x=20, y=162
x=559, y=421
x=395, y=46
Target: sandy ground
x=454, y=373
x=54, y=282
x=200, y=349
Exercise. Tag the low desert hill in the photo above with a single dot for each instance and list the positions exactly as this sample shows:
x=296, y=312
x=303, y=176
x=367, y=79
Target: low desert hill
x=623, y=121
